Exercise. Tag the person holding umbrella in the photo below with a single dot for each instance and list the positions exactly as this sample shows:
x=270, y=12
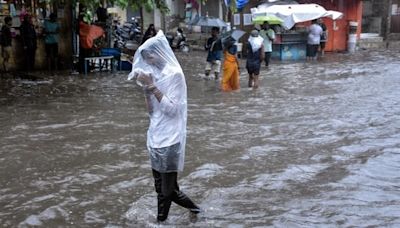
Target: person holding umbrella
x=268, y=34
x=230, y=79
x=214, y=56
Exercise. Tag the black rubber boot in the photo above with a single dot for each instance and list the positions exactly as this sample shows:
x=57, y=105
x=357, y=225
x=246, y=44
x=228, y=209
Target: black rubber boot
x=163, y=202
x=163, y=208
x=168, y=191
x=183, y=200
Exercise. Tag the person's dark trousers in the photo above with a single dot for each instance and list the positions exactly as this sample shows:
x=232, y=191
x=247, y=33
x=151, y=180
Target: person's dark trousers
x=168, y=191
x=267, y=58
x=30, y=58
x=83, y=53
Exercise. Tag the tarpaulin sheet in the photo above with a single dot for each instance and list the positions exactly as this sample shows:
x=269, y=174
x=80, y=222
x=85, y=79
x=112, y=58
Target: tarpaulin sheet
x=88, y=33
x=295, y=13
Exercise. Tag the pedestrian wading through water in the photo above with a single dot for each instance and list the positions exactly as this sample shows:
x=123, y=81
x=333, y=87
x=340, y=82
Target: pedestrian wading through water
x=158, y=72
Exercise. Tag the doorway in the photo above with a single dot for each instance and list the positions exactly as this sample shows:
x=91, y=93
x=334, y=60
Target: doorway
x=395, y=17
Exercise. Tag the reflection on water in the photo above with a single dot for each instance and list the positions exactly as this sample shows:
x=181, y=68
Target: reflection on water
x=316, y=145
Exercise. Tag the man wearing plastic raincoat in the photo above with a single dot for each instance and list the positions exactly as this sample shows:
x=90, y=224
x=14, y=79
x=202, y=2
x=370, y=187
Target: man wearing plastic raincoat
x=157, y=70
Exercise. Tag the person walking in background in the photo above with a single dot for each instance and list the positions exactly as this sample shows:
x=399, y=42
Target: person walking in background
x=214, y=56
x=157, y=70
x=324, y=36
x=51, y=30
x=230, y=79
x=150, y=32
x=5, y=41
x=313, y=40
x=180, y=37
x=255, y=55
x=268, y=34
x=28, y=37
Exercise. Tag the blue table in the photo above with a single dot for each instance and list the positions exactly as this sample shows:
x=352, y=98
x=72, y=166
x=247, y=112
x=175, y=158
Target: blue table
x=289, y=51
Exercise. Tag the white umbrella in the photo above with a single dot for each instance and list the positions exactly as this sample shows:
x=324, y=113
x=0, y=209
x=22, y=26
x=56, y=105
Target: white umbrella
x=231, y=36
x=295, y=13
x=236, y=34
x=207, y=21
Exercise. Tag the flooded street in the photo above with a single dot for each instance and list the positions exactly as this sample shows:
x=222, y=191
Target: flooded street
x=317, y=145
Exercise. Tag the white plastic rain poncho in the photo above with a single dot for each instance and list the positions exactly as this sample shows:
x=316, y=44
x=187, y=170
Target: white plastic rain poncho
x=166, y=136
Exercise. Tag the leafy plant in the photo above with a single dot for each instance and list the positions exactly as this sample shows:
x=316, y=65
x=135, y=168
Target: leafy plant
x=148, y=5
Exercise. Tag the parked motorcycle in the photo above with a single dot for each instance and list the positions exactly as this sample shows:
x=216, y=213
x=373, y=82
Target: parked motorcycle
x=128, y=35
x=135, y=31
x=180, y=43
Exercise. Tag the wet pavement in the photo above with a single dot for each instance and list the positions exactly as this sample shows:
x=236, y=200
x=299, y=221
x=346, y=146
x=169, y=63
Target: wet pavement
x=317, y=145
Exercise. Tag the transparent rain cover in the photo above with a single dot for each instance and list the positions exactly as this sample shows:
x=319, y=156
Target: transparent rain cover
x=256, y=42
x=168, y=117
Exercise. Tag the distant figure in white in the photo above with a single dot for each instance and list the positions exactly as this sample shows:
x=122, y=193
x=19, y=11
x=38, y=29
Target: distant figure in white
x=313, y=40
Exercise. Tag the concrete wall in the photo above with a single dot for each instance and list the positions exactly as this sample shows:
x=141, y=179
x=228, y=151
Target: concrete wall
x=148, y=18
x=175, y=16
x=212, y=8
x=125, y=14
x=168, y=21
x=375, y=16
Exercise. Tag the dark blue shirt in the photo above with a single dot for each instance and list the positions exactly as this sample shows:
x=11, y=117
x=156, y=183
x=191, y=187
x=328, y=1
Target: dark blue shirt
x=253, y=58
x=214, y=49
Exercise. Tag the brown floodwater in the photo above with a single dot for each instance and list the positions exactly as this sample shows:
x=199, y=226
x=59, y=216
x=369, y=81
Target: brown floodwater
x=317, y=145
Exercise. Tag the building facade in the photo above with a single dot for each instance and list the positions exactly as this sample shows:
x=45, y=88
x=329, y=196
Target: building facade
x=338, y=30
x=382, y=17
x=181, y=12
x=39, y=11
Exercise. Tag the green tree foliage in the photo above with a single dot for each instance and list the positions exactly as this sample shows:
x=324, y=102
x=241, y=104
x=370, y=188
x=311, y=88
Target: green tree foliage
x=232, y=5
x=148, y=5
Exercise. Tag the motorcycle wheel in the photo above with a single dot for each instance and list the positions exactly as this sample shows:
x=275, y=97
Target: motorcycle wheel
x=185, y=48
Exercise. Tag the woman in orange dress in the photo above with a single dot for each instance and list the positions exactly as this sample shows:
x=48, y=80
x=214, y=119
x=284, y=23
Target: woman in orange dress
x=230, y=79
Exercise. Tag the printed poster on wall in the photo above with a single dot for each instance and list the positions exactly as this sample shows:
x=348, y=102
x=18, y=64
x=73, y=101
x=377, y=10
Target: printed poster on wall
x=395, y=9
x=247, y=19
x=236, y=19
